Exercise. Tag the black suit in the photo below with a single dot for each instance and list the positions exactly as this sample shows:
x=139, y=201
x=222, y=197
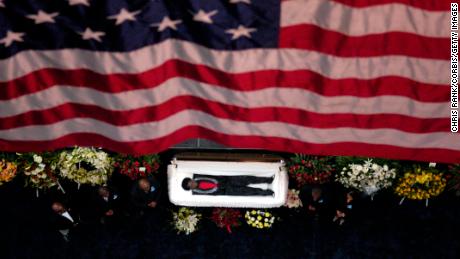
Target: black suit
x=61, y=223
x=141, y=199
x=102, y=206
x=349, y=209
x=232, y=185
x=321, y=205
x=64, y=225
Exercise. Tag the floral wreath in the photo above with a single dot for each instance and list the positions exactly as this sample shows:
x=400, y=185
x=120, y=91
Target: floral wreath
x=85, y=165
x=186, y=220
x=259, y=219
x=421, y=184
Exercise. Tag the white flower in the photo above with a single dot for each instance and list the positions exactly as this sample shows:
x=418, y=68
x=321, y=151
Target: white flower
x=188, y=223
x=38, y=159
x=70, y=165
x=368, y=177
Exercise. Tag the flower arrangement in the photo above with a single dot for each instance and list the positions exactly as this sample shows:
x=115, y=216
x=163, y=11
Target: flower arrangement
x=368, y=177
x=310, y=169
x=186, y=220
x=8, y=171
x=137, y=166
x=85, y=165
x=259, y=219
x=453, y=178
x=293, y=200
x=226, y=218
x=421, y=184
x=39, y=172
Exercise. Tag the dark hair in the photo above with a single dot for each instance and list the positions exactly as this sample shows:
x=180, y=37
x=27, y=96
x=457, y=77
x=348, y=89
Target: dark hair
x=317, y=188
x=185, y=183
x=351, y=193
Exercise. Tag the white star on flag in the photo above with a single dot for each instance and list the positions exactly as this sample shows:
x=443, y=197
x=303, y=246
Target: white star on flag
x=240, y=32
x=12, y=37
x=167, y=23
x=88, y=34
x=79, y=2
x=42, y=17
x=240, y=1
x=204, y=17
x=124, y=15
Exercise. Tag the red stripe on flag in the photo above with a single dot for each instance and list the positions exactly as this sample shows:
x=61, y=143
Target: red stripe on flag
x=303, y=79
x=311, y=37
x=431, y=5
x=253, y=142
x=177, y=104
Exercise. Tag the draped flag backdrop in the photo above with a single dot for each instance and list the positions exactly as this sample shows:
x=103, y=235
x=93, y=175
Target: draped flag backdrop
x=343, y=77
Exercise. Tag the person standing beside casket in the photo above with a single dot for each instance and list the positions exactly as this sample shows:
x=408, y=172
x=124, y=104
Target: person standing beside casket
x=345, y=209
x=145, y=195
x=314, y=201
x=107, y=205
x=64, y=220
x=237, y=185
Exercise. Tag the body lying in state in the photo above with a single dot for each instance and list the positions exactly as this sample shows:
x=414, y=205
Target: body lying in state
x=237, y=185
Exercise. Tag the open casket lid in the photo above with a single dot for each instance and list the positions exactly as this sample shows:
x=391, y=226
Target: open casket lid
x=186, y=164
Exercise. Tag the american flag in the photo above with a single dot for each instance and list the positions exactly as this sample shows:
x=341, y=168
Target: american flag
x=342, y=77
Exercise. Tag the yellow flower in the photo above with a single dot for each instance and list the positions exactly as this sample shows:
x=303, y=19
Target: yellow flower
x=420, y=185
x=422, y=178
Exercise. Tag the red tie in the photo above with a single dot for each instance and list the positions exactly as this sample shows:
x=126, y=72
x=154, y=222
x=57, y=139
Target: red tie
x=206, y=185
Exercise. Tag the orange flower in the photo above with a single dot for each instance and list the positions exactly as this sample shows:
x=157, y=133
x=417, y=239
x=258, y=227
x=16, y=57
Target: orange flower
x=7, y=171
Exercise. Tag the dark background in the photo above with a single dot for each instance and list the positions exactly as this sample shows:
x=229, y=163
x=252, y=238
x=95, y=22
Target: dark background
x=381, y=229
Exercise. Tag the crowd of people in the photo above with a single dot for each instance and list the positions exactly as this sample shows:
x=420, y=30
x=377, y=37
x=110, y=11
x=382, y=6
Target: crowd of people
x=322, y=208
x=109, y=207
x=127, y=216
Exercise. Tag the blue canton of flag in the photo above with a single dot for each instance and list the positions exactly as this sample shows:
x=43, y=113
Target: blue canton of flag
x=129, y=25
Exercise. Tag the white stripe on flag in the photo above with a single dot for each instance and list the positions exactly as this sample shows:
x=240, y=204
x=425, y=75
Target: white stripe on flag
x=269, y=97
x=418, y=69
x=377, y=19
